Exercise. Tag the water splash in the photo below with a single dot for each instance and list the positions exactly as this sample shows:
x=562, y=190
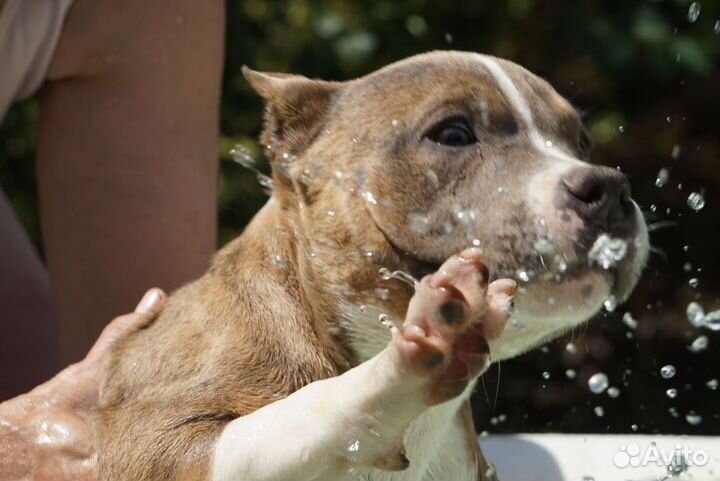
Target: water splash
x=386, y=275
x=607, y=251
x=242, y=156
x=698, y=318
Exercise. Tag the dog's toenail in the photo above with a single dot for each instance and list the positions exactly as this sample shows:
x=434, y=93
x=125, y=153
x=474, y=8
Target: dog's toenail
x=453, y=312
x=435, y=360
x=404, y=461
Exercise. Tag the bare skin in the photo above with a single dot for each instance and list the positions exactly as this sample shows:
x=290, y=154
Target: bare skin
x=127, y=143
x=45, y=434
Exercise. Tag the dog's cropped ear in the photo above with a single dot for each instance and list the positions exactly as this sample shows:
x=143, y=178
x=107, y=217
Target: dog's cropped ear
x=296, y=109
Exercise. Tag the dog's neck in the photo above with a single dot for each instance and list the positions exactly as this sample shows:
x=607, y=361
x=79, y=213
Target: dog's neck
x=308, y=254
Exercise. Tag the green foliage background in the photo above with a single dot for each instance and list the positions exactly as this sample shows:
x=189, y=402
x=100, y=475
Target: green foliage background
x=648, y=80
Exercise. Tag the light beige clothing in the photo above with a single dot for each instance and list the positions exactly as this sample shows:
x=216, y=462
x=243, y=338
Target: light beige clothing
x=29, y=32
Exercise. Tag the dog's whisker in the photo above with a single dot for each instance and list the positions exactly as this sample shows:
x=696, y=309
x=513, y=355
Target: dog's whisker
x=663, y=224
x=385, y=274
x=497, y=387
x=487, y=396
x=659, y=252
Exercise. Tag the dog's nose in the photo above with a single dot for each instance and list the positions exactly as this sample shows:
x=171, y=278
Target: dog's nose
x=601, y=196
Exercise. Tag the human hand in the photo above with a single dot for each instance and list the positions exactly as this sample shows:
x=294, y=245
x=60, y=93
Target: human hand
x=45, y=434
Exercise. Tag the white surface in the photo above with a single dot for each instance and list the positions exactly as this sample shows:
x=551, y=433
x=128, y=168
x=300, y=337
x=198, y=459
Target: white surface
x=570, y=457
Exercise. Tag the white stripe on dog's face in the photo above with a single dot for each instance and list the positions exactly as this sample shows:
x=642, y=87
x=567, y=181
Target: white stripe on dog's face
x=522, y=108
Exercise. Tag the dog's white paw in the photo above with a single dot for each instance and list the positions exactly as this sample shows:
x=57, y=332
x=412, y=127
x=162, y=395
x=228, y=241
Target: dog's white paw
x=440, y=348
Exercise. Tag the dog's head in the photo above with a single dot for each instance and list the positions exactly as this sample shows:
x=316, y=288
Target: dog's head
x=430, y=155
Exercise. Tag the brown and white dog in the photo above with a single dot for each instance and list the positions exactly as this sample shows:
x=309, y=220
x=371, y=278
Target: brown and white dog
x=273, y=366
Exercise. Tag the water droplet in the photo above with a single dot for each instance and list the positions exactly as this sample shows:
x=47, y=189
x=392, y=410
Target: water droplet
x=694, y=282
x=448, y=37
x=523, y=276
x=687, y=267
x=416, y=25
x=598, y=382
x=466, y=217
x=331, y=213
x=663, y=176
x=501, y=190
x=621, y=129
x=668, y=119
x=476, y=242
x=667, y=371
x=693, y=419
x=571, y=348
x=653, y=207
x=278, y=261
x=570, y=373
x=394, y=122
x=548, y=143
x=354, y=446
x=671, y=393
x=599, y=411
x=712, y=384
x=362, y=308
x=607, y=251
x=368, y=196
x=613, y=392
x=432, y=177
x=634, y=427
x=629, y=320
x=610, y=303
x=699, y=344
x=544, y=247
x=695, y=314
x=696, y=201
x=678, y=465
x=419, y=223
x=693, y=12
x=382, y=293
x=546, y=375
x=675, y=153
x=716, y=27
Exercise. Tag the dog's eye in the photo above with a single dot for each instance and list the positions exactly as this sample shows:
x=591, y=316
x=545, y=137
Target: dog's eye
x=585, y=144
x=454, y=133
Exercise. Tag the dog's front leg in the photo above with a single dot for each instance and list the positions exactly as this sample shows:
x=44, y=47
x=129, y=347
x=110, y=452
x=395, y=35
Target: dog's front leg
x=343, y=427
